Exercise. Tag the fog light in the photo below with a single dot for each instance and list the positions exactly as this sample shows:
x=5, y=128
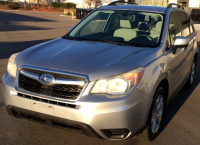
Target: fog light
x=116, y=133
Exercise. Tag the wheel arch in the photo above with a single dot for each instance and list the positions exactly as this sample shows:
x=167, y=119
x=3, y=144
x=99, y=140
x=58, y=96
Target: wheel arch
x=165, y=84
x=162, y=81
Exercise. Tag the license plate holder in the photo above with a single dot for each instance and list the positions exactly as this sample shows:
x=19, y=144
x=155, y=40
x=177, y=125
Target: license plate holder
x=42, y=107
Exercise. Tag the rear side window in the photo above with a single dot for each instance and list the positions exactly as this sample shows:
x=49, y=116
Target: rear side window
x=174, y=27
x=185, y=24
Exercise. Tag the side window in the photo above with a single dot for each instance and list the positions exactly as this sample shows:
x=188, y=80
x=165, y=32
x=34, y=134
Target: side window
x=185, y=24
x=168, y=41
x=190, y=23
x=174, y=27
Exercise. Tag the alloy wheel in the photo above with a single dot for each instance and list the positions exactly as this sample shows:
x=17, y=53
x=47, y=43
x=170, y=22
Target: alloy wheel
x=157, y=114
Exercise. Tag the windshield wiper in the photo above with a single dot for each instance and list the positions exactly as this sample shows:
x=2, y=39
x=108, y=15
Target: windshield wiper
x=95, y=40
x=108, y=41
x=71, y=38
x=116, y=42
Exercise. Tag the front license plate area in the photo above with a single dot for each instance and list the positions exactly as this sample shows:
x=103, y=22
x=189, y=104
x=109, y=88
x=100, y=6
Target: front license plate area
x=42, y=107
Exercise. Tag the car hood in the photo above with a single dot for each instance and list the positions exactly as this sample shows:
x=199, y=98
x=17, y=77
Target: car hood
x=94, y=59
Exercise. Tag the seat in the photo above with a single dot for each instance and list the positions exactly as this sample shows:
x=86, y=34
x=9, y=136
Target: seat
x=156, y=32
x=125, y=31
x=143, y=29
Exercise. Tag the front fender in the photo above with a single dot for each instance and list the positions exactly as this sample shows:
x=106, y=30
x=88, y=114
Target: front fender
x=153, y=75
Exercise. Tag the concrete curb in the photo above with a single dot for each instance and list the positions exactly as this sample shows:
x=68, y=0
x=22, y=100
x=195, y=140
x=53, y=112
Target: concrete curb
x=197, y=26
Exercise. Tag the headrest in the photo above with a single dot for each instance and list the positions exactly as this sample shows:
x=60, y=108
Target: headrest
x=143, y=27
x=125, y=24
x=158, y=26
x=147, y=18
x=155, y=18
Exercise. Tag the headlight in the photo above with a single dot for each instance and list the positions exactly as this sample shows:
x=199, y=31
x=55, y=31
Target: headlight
x=12, y=68
x=119, y=84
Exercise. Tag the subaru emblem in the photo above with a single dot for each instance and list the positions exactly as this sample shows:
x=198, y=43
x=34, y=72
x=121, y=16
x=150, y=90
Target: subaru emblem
x=47, y=79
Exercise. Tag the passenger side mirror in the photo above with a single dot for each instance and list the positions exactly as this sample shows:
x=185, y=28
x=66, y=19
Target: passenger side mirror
x=180, y=42
x=70, y=28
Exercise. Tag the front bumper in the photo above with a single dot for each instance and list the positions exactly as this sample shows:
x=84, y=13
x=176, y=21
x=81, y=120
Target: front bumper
x=52, y=121
x=93, y=114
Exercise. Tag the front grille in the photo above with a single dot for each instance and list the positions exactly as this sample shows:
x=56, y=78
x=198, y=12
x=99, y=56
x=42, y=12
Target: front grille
x=57, y=90
x=45, y=100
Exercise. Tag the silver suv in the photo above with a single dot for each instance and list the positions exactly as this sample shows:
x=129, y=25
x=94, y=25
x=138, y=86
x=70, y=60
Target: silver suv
x=110, y=76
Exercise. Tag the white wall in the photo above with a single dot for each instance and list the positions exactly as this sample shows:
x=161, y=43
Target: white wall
x=75, y=1
x=140, y=1
x=173, y=1
x=194, y=3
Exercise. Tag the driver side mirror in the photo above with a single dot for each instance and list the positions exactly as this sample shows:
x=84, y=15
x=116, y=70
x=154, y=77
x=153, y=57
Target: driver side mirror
x=180, y=42
x=70, y=28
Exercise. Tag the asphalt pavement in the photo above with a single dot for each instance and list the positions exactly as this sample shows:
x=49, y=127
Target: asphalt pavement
x=22, y=29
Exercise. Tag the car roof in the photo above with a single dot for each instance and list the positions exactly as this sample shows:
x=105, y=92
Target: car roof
x=157, y=9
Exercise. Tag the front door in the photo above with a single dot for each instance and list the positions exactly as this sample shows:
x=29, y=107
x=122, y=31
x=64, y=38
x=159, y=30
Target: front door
x=176, y=64
x=187, y=31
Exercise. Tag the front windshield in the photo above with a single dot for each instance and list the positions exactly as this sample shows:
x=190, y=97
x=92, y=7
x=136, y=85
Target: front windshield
x=140, y=29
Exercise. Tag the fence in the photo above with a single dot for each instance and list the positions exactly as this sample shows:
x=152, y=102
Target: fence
x=81, y=13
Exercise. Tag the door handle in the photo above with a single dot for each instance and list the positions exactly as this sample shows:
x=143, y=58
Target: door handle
x=185, y=49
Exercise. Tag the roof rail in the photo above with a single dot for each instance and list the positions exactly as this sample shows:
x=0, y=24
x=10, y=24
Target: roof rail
x=115, y=3
x=171, y=4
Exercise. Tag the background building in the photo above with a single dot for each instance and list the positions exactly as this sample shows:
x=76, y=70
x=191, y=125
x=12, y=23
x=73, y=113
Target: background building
x=184, y=3
x=89, y=3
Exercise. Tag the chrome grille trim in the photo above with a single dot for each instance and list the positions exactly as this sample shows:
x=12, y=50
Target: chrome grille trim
x=50, y=71
x=31, y=75
x=57, y=81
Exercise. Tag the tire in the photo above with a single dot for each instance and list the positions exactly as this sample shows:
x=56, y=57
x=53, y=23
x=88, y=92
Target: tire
x=190, y=80
x=155, y=117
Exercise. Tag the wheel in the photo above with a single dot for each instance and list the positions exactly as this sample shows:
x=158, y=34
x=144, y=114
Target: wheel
x=190, y=80
x=155, y=116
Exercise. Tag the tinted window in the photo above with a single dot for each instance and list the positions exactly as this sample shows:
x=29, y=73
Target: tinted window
x=185, y=24
x=174, y=27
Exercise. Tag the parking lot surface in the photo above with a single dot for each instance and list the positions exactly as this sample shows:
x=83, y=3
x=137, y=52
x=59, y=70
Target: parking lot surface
x=20, y=30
